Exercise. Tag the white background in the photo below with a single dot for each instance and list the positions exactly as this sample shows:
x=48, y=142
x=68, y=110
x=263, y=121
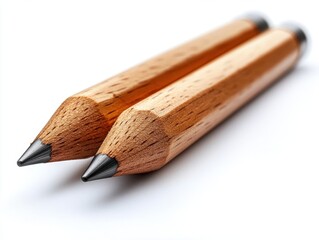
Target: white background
x=254, y=177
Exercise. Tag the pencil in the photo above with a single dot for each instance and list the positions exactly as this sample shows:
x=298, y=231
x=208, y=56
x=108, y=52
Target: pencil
x=151, y=133
x=81, y=123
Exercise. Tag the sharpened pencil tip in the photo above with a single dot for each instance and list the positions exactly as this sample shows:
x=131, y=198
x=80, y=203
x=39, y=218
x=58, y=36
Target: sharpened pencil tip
x=36, y=153
x=84, y=179
x=102, y=166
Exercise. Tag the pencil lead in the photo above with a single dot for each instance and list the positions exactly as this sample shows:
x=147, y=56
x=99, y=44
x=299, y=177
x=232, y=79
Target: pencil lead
x=102, y=166
x=36, y=153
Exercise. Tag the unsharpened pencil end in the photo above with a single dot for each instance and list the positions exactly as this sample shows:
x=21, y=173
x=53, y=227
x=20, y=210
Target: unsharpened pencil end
x=259, y=20
x=299, y=33
x=102, y=166
x=36, y=153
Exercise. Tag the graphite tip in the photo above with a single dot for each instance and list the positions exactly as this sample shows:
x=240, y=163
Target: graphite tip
x=102, y=166
x=36, y=153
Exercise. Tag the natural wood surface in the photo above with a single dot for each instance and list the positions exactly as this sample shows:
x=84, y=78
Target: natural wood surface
x=81, y=123
x=151, y=133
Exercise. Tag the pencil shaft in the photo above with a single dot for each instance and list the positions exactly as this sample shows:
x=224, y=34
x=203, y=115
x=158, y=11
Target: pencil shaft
x=81, y=123
x=151, y=133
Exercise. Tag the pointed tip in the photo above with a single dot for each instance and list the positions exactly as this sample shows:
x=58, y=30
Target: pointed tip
x=36, y=153
x=84, y=179
x=102, y=166
x=19, y=163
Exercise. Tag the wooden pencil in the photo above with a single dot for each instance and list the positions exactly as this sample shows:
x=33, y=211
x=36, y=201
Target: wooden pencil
x=151, y=133
x=80, y=124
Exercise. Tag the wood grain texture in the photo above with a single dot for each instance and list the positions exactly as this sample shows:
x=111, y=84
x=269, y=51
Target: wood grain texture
x=151, y=133
x=79, y=126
